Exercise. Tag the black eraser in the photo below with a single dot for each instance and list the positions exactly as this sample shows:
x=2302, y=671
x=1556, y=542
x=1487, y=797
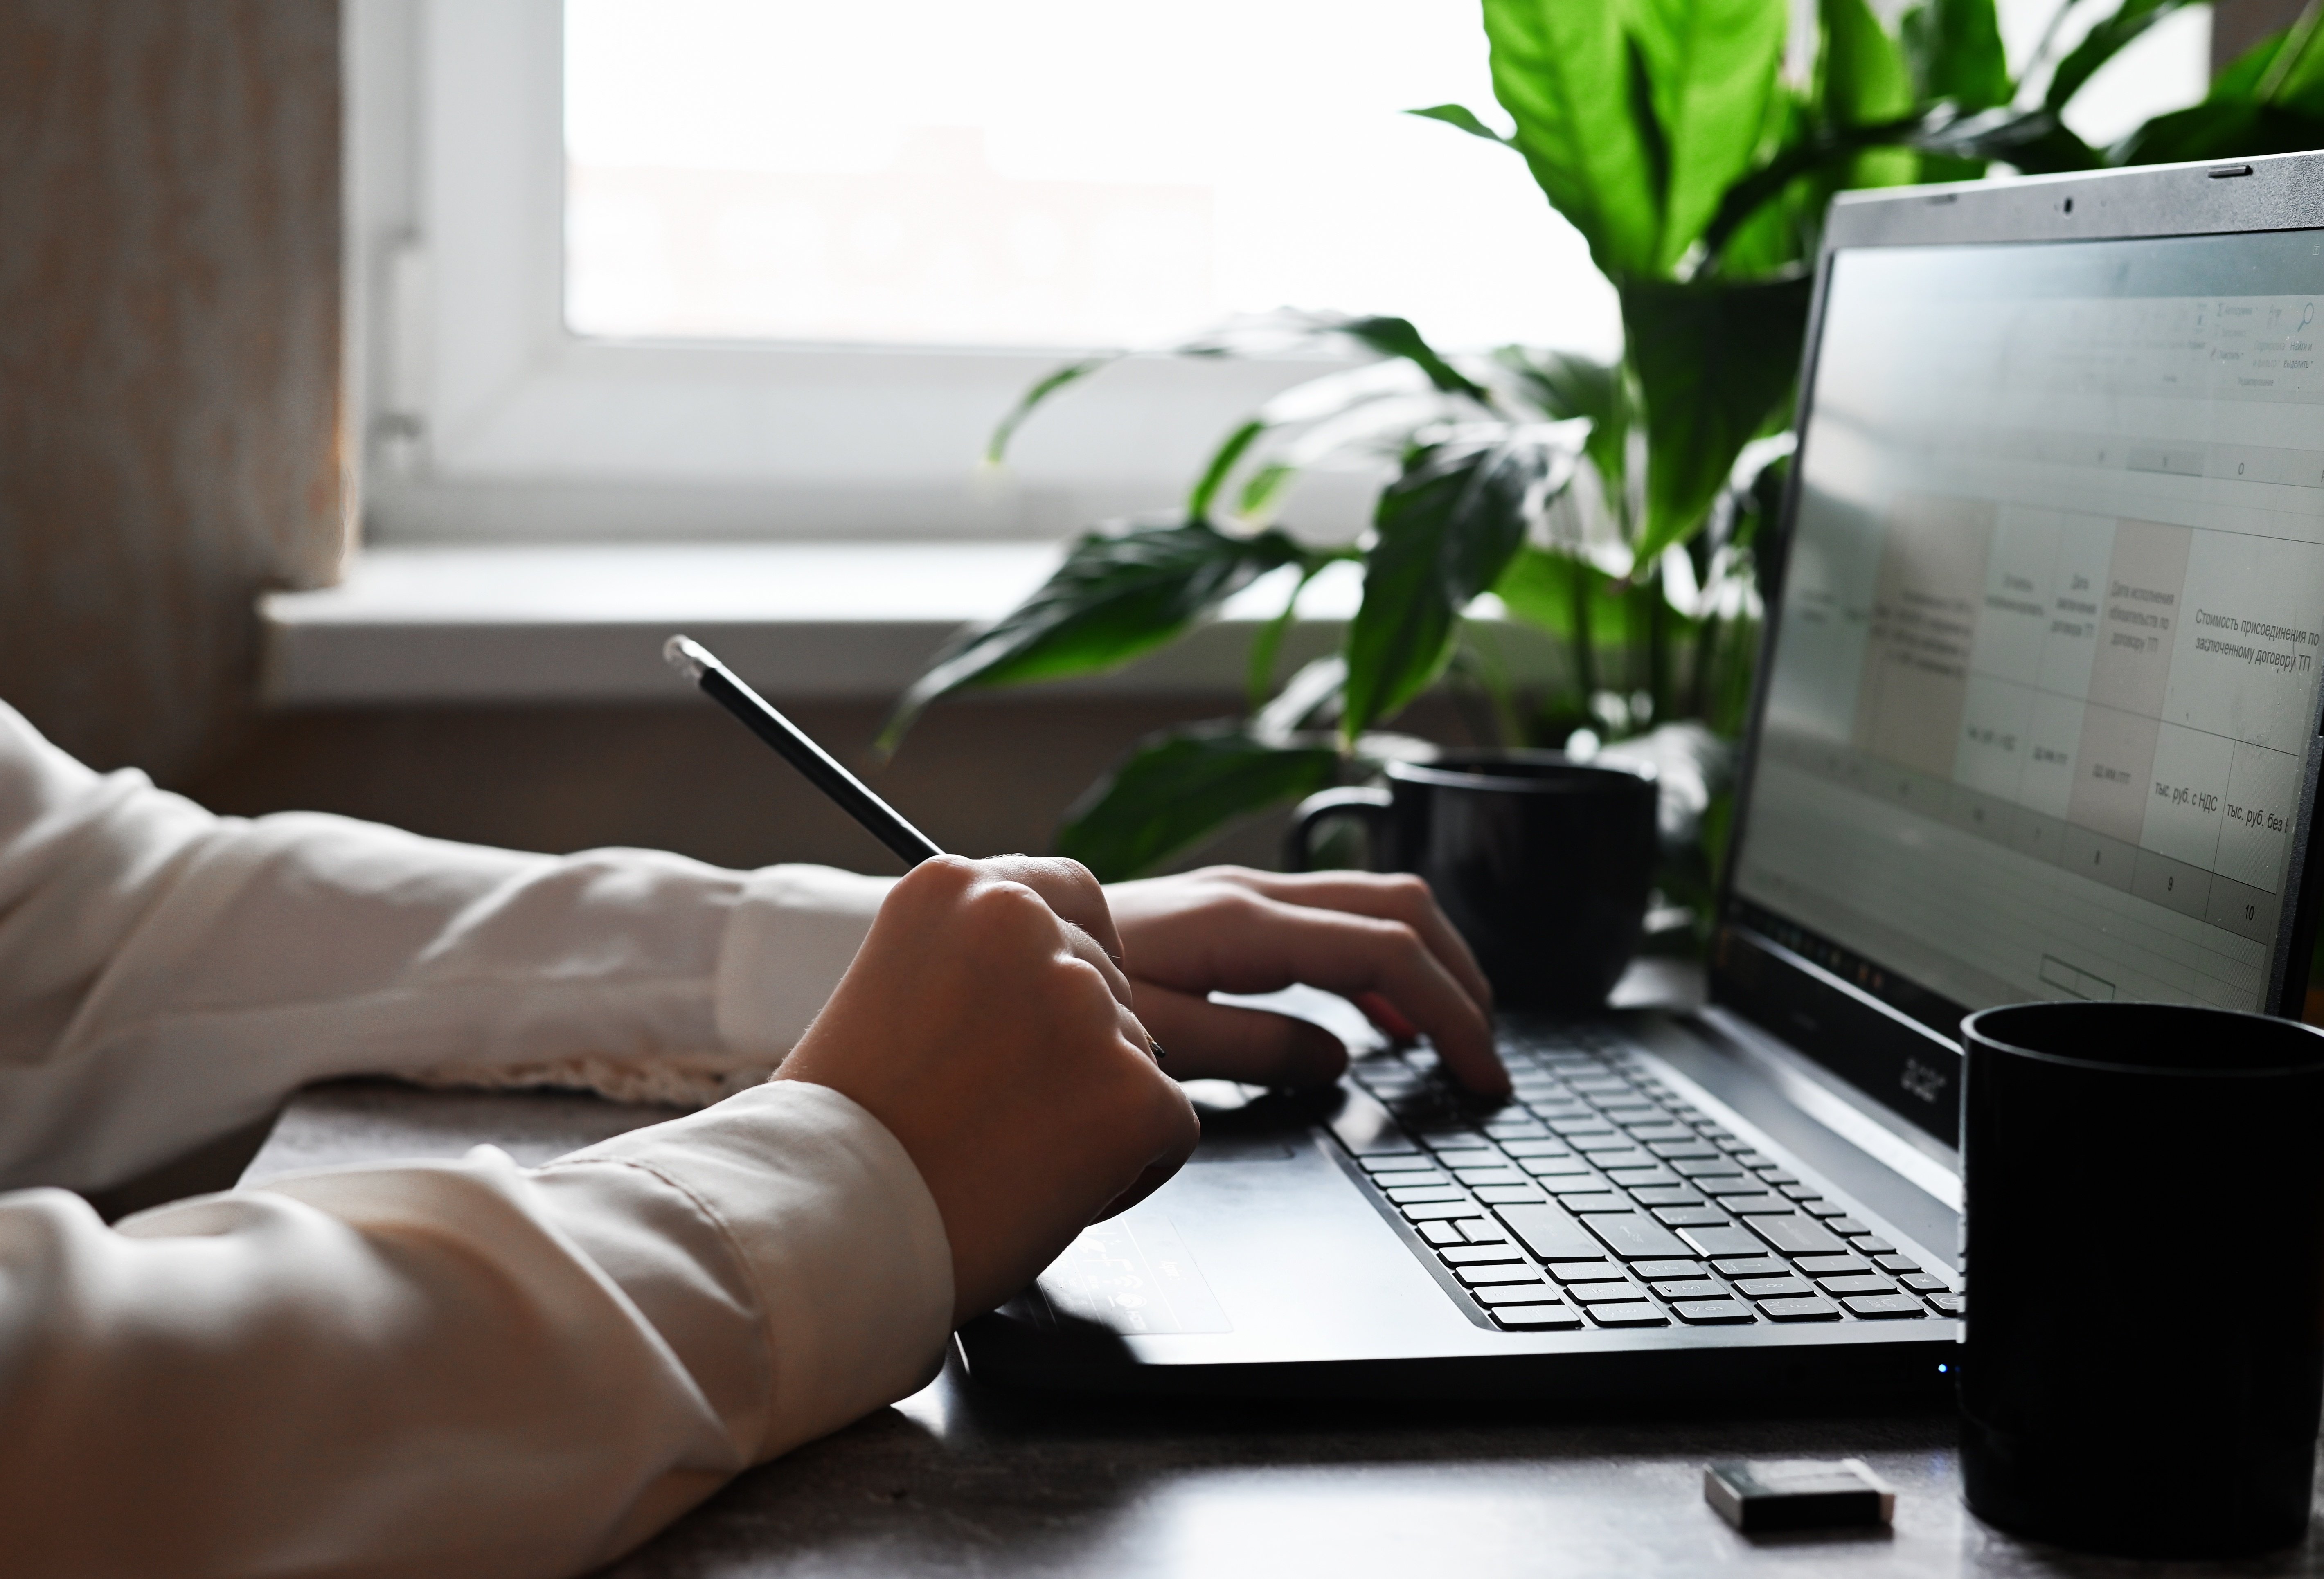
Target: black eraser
x=1760, y=1494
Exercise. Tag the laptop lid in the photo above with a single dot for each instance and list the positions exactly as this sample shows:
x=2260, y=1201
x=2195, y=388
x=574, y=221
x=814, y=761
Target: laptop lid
x=2037, y=712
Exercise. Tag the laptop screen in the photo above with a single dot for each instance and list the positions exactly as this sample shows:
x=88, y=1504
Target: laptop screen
x=2045, y=664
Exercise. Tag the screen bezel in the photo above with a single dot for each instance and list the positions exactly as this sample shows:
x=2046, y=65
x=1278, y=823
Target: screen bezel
x=1912, y=1068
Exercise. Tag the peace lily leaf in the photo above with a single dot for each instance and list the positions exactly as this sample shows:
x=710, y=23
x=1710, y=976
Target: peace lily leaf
x=1464, y=118
x=1561, y=69
x=1714, y=363
x=1444, y=531
x=2102, y=43
x=1180, y=785
x=1566, y=596
x=2220, y=129
x=1865, y=82
x=1709, y=65
x=1198, y=503
x=1562, y=386
x=1397, y=337
x=1117, y=594
x=1072, y=372
x=1954, y=50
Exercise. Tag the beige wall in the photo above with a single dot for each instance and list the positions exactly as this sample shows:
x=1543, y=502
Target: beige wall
x=170, y=353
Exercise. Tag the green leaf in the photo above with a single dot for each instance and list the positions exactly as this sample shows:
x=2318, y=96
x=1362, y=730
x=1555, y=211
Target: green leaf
x=1444, y=529
x=1179, y=786
x=1711, y=66
x=1565, y=596
x=1223, y=461
x=2102, y=43
x=2220, y=129
x=1865, y=82
x=1714, y=363
x=1072, y=372
x=1561, y=69
x=1954, y=50
x=1397, y=337
x=1259, y=678
x=1118, y=594
x=1465, y=119
x=1562, y=386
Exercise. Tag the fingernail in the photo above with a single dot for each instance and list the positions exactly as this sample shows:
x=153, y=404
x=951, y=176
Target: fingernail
x=1155, y=1048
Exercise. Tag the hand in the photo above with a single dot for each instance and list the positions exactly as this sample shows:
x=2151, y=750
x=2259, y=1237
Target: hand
x=1380, y=940
x=986, y=1021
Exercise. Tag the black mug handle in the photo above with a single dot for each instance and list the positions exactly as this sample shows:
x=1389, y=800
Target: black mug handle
x=1367, y=804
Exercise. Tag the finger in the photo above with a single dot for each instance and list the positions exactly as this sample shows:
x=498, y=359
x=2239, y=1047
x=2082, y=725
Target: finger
x=1398, y=897
x=1356, y=954
x=1210, y=1040
x=1069, y=888
x=1382, y=1014
x=1182, y=1132
x=1092, y=954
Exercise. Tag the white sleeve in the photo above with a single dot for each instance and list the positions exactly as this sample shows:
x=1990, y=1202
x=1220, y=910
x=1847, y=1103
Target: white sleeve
x=445, y=1369
x=167, y=976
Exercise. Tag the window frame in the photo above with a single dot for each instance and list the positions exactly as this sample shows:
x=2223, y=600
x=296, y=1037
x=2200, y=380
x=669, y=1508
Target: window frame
x=486, y=418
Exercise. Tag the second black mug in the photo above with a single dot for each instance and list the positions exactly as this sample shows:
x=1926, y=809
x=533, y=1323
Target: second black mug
x=1545, y=864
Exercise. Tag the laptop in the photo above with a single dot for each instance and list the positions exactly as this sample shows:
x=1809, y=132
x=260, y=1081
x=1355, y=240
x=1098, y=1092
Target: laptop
x=2037, y=719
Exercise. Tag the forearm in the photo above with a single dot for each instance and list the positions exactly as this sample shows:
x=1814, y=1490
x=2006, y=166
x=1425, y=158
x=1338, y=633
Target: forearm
x=456, y=1369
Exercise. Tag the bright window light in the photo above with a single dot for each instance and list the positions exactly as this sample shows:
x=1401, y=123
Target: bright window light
x=1046, y=173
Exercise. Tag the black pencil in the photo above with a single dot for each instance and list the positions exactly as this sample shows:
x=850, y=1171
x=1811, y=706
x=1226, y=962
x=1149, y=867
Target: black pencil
x=691, y=658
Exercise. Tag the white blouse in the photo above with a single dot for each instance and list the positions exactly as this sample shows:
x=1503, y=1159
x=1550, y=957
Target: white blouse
x=432, y=1368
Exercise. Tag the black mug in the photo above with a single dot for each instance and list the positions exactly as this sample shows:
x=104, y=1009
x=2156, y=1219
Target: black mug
x=2144, y=1245
x=1543, y=863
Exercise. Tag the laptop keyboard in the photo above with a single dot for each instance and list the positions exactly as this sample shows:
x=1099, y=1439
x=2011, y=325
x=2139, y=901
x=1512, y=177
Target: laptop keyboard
x=1601, y=1196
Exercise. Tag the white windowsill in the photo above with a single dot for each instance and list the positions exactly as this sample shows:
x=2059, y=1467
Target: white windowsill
x=854, y=621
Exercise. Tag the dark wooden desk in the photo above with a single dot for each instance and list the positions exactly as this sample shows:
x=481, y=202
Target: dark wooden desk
x=956, y=1479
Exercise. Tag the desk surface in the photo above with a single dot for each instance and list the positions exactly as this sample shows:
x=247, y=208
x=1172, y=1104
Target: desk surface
x=957, y=1480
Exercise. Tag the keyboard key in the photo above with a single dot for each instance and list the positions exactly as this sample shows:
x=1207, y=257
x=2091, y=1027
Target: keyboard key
x=1719, y=1241
x=1582, y=1271
x=1846, y=1226
x=1793, y=1234
x=1459, y=1157
x=1702, y=1150
x=1884, y=1307
x=1897, y=1264
x=1674, y=1195
x=1481, y=1231
x=1406, y=1162
x=1923, y=1283
x=1595, y=1203
x=1857, y=1285
x=1504, y=1174
x=1527, y=1149
x=1802, y=1193
x=1639, y=1315
x=1592, y=1146
x=1501, y=1271
x=1548, y=1232
x=1703, y=1167
x=1832, y=1266
x=1753, y=1266
x=1572, y=1184
x=1775, y=1288
x=1426, y=1192
x=1823, y=1209
x=1660, y=1132
x=1633, y=1236
x=1628, y=1162
x=1477, y=1254
x=1534, y=1318
x=1584, y=1124
x=1668, y=1269
x=1691, y=1216
x=1755, y=1206
x=1738, y=1185
x=1946, y=1304
x=1538, y=1293
x=1872, y=1244
x=1601, y=1293
x=1516, y=1129
x=1707, y=1312
x=1807, y=1309
x=1441, y=1233
x=1754, y=1160
x=1505, y=1195
x=1555, y=1167
x=1691, y=1289
x=1777, y=1177
x=1433, y=1211
x=1655, y=1178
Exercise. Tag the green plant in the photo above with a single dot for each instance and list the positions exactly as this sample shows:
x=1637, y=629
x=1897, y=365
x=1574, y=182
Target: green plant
x=1613, y=507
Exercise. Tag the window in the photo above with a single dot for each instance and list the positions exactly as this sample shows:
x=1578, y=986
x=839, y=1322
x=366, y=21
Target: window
x=709, y=268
